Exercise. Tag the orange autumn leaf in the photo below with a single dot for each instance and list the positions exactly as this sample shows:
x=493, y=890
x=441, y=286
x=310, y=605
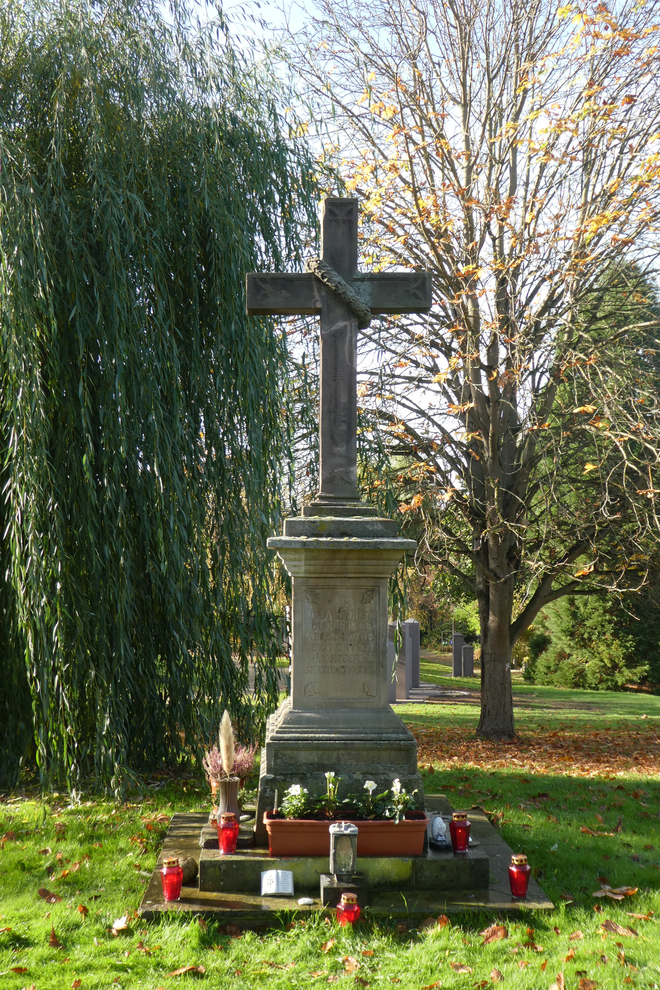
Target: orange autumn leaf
x=350, y=964
x=615, y=929
x=494, y=934
x=83, y=910
x=48, y=896
x=460, y=967
x=187, y=969
x=328, y=945
x=53, y=940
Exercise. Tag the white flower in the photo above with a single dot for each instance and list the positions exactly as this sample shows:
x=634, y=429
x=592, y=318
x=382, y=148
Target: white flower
x=396, y=786
x=295, y=790
x=370, y=785
x=330, y=774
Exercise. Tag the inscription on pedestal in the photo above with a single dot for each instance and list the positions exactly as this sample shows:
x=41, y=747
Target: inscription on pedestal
x=341, y=649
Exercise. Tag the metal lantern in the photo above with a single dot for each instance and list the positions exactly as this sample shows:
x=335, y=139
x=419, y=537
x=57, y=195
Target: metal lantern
x=343, y=849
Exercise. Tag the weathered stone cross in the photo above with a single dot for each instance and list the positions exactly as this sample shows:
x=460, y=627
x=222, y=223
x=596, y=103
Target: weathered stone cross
x=346, y=300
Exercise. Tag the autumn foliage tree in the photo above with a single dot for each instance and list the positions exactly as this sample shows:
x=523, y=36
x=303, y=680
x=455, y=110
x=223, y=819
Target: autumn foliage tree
x=513, y=149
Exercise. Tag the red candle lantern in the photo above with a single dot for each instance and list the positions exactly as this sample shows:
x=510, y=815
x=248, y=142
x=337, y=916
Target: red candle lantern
x=348, y=909
x=519, y=874
x=459, y=829
x=171, y=878
x=227, y=832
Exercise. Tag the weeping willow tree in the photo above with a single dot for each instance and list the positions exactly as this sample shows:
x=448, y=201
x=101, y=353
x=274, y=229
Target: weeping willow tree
x=144, y=169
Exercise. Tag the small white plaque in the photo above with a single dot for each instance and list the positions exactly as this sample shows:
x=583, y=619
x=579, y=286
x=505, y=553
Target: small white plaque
x=277, y=882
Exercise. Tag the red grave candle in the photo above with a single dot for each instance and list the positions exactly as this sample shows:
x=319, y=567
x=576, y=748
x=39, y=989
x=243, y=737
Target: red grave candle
x=459, y=829
x=171, y=878
x=348, y=909
x=227, y=833
x=519, y=874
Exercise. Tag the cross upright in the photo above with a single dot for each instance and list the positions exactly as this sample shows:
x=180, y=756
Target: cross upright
x=346, y=300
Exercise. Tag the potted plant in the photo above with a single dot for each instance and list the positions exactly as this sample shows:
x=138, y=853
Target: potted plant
x=226, y=767
x=387, y=824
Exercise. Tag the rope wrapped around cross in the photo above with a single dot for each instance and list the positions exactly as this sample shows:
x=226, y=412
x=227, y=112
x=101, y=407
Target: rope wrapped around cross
x=334, y=281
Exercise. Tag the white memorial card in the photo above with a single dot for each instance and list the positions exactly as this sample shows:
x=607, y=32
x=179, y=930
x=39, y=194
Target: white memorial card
x=277, y=882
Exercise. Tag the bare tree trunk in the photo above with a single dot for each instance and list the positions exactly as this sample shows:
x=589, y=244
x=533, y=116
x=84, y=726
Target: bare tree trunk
x=495, y=609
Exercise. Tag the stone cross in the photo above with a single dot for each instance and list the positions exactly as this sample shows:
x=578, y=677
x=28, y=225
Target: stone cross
x=345, y=299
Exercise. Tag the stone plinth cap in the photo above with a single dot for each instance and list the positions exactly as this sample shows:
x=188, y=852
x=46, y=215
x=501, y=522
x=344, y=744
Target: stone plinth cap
x=345, y=543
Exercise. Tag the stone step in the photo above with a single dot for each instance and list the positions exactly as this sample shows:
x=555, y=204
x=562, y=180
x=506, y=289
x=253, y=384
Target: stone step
x=391, y=893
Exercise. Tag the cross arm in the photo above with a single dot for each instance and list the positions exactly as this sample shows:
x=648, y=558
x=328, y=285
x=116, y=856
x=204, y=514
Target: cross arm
x=283, y=294
x=300, y=293
x=395, y=292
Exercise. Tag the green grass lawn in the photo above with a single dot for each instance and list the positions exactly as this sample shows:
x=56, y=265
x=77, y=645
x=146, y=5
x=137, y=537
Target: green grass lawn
x=584, y=761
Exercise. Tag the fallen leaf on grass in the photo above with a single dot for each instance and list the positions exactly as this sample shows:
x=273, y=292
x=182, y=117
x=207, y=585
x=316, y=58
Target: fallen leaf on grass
x=523, y=964
x=640, y=917
x=576, y=936
x=559, y=982
x=587, y=984
x=496, y=976
x=543, y=965
x=53, y=940
x=361, y=982
x=319, y=972
x=350, y=964
x=432, y=986
x=570, y=955
x=616, y=893
x=48, y=896
x=460, y=967
x=611, y=926
x=76, y=984
x=494, y=934
x=18, y=969
x=187, y=969
x=8, y=929
x=46, y=851
x=120, y=925
x=83, y=910
x=367, y=952
x=533, y=946
x=443, y=921
x=328, y=945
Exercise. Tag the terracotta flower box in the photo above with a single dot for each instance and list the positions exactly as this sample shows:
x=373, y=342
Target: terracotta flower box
x=311, y=837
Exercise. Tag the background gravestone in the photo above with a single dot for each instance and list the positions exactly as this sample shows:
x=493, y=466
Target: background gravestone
x=391, y=662
x=411, y=628
x=457, y=655
x=404, y=666
x=468, y=660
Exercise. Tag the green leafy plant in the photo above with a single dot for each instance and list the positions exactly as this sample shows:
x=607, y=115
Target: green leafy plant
x=296, y=802
x=329, y=802
x=400, y=801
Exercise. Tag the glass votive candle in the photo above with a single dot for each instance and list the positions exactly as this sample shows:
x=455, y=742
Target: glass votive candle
x=348, y=909
x=459, y=829
x=519, y=874
x=171, y=878
x=227, y=832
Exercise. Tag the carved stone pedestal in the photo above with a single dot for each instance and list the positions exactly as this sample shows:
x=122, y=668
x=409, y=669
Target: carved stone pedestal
x=337, y=716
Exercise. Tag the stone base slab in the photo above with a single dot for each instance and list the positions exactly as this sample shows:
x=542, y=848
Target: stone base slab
x=251, y=910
